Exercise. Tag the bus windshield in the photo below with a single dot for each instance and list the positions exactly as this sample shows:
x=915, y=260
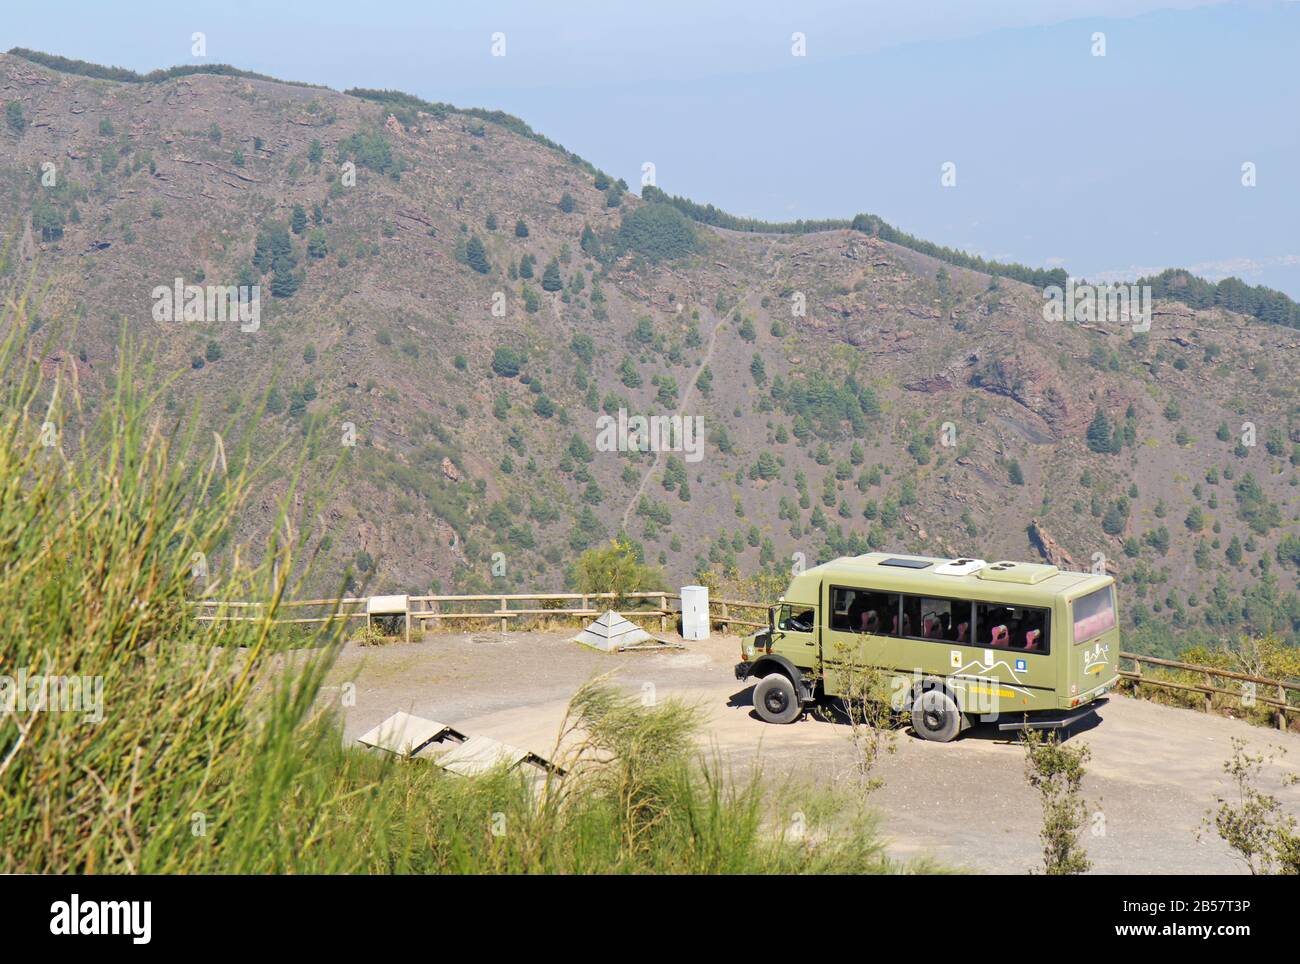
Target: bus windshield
x=1094, y=614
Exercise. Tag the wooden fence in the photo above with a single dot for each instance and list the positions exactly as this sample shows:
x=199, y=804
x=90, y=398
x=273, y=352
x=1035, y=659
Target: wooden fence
x=423, y=609
x=1209, y=688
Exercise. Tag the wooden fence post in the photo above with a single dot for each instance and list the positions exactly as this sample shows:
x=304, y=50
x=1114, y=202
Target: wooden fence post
x=1209, y=696
x=663, y=613
x=723, y=625
x=504, y=619
x=1281, y=710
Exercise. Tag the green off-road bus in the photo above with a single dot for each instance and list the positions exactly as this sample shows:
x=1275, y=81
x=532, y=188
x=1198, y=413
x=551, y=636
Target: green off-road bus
x=1018, y=644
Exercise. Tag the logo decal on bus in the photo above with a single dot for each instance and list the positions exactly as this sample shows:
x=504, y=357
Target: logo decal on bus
x=1094, y=660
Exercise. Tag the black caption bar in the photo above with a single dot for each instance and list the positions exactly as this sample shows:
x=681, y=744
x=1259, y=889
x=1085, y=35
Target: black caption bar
x=336, y=914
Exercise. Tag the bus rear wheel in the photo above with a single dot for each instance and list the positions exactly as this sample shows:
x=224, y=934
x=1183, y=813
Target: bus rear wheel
x=936, y=717
x=776, y=700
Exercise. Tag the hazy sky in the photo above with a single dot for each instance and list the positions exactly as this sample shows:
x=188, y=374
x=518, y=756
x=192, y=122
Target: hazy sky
x=1107, y=165
x=436, y=45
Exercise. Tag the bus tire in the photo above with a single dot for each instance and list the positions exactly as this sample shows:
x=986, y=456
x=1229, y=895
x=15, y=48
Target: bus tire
x=776, y=700
x=936, y=717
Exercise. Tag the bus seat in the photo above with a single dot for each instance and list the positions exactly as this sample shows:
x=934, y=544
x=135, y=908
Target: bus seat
x=1031, y=638
x=1000, y=635
x=930, y=626
x=962, y=630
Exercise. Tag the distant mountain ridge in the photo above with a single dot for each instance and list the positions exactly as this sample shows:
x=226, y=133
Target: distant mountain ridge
x=1177, y=284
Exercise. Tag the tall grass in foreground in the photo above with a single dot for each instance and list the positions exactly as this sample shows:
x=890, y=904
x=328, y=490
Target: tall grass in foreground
x=217, y=752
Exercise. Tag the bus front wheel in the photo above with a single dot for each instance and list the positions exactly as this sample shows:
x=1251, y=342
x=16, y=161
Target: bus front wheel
x=776, y=700
x=936, y=717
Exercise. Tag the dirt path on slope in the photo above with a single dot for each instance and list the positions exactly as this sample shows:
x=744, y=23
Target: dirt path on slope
x=686, y=395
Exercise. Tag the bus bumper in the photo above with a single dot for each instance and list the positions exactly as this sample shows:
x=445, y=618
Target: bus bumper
x=1054, y=719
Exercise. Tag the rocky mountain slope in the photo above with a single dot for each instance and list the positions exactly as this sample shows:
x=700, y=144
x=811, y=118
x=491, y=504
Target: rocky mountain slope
x=449, y=307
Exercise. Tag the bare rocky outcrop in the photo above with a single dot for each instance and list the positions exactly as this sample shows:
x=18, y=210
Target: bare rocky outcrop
x=1052, y=551
x=1029, y=378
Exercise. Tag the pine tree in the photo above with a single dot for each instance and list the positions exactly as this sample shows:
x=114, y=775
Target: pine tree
x=551, y=280
x=476, y=255
x=284, y=284
x=282, y=259
x=1099, y=433
x=299, y=222
x=262, y=252
x=14, y=116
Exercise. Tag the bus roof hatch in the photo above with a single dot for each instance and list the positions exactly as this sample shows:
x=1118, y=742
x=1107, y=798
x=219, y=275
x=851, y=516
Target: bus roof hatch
x=1024, y=573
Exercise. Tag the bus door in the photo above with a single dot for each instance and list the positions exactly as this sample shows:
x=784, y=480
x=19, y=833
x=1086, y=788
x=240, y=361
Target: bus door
x=798, y=634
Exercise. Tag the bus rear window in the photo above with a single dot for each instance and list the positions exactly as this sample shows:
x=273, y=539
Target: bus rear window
x=1094, y=614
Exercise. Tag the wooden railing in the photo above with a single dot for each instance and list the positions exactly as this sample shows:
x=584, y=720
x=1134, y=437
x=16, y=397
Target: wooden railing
x=421, y=609
x=1281, y=703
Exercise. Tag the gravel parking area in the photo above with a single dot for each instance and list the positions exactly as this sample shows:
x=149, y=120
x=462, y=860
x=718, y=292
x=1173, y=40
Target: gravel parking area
x=1154, y=770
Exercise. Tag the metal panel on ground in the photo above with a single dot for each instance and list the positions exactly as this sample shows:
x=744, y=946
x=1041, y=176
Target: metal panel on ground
x=405, y=734
x=476, y=755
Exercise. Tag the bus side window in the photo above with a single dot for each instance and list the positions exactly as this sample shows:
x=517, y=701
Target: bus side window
x=864, y=611
x=797, y=619
x=880, y=613
x=844, y=610
x=955, y=619
x=928, y=617
x=1012, y=627
x=1033, y=632
x=992, y=625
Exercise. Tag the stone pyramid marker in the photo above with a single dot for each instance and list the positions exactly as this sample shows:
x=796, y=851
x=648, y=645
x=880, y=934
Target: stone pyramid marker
x=612, y=632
